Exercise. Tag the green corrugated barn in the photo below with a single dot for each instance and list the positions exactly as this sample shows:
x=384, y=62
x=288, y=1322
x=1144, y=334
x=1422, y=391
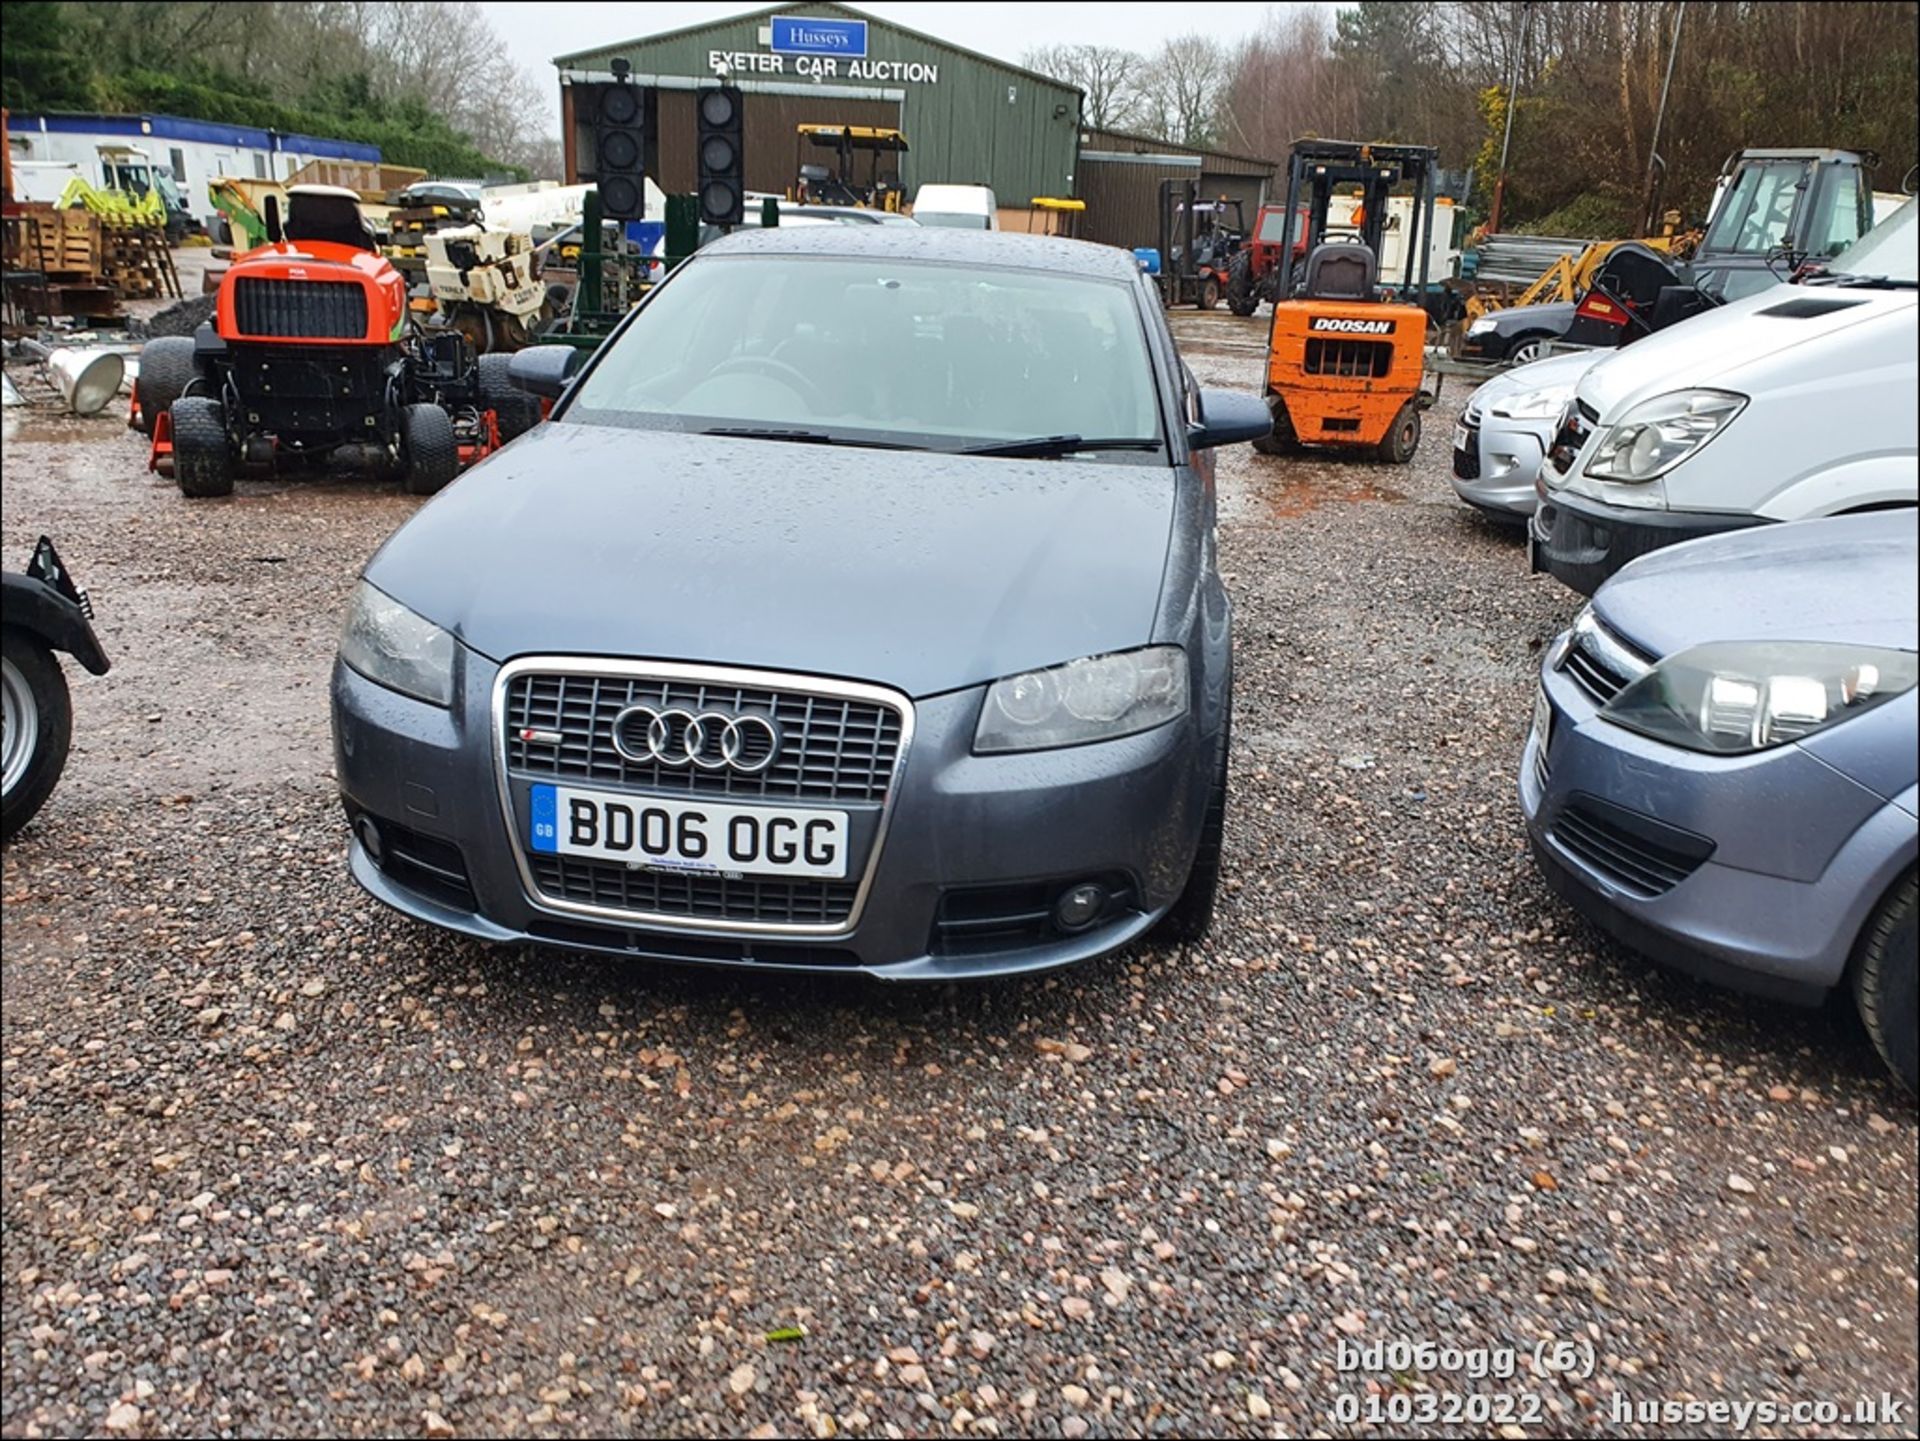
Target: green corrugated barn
x=969, y=119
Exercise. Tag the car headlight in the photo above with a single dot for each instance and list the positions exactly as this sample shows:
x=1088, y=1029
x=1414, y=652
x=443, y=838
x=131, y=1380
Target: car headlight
x=1099, y=698
x=1657, y=434
x=1731, y=698
x=1485, y=325
x=1544, y=404
x=393, y=647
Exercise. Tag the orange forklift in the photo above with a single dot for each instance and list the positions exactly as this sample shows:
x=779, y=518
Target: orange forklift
x=1346, y=359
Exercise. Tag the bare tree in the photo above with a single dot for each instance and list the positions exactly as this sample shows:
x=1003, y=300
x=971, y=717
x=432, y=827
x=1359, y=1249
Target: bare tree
x=1180, y=89
x=1282, y=83
x=1106, y=75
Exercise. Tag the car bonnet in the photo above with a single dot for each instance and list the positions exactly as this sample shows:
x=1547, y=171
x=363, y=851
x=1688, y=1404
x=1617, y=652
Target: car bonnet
x=1849, y=579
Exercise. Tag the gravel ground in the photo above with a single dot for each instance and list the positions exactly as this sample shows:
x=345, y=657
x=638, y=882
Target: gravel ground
x=279, y=1161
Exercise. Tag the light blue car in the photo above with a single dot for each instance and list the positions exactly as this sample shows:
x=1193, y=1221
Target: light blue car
x=1722, y=765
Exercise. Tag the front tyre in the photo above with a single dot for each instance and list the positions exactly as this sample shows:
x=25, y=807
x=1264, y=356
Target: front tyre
x=202, y=454
x=432, y=450
x=1192, y=914
x=1209, y=293
x=1403, y=436
x=1280, y=440
x=37, y=727
x=1886, y=980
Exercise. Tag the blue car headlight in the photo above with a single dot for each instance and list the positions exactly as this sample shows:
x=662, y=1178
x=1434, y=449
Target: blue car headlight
x=1101, y=697
x=1737, y=697
x=393, y=647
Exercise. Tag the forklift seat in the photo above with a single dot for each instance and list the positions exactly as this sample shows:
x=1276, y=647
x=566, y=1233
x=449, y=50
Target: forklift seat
x=1341, y=270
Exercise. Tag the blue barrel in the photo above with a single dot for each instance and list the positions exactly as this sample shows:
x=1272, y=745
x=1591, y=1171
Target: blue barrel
x=1147, y=258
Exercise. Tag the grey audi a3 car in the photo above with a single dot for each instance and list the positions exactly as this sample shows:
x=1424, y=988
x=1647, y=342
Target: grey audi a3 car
x=857, y=608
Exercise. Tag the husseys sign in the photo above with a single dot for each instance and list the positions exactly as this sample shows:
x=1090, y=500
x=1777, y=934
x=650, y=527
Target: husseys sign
x=818, y=49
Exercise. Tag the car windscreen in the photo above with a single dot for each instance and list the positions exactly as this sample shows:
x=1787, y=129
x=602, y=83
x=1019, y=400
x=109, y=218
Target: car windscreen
x=1891, y=250
x=879, y=350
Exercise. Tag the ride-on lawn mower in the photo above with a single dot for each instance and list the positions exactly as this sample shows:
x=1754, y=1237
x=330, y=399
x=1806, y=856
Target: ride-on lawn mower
x=1346, y=361
x=313, y=355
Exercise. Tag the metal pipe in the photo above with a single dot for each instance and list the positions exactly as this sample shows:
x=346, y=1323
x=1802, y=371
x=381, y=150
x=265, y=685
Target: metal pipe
x=1513, y=91
x=1653, y=146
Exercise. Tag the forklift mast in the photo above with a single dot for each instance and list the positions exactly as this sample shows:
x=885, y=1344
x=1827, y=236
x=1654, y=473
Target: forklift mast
x=1320, y=167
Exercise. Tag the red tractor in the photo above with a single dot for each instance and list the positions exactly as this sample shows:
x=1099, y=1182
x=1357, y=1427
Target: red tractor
x=312, y=355
x=1255, y=271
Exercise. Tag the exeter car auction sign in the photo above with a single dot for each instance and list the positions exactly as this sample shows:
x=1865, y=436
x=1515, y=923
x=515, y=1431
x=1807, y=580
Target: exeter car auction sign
x=818, y=49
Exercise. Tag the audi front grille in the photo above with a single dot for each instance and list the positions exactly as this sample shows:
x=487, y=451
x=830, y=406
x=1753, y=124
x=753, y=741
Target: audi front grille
x=834, y=751
x=840, y=745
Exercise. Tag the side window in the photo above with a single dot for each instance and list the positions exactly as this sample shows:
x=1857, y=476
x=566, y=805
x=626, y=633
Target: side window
x=1837, y=223
x=259, y=166
x=179, y=159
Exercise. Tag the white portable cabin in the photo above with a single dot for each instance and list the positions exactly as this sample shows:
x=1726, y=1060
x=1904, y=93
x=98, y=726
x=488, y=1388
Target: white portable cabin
x=192, y=151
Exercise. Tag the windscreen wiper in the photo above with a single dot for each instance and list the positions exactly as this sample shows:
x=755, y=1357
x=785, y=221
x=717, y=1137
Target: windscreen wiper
x=805, y=437
x=1849, y=281
x=1046, y=445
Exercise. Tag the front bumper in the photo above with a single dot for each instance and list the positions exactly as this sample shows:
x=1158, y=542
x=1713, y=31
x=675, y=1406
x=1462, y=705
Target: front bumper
x=1495, y=470
x=1799, y=854
x=1583, y=541
x=1128, y=812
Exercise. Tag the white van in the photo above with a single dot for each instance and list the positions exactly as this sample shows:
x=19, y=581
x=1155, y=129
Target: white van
x=957, y=207
x=1792, y=403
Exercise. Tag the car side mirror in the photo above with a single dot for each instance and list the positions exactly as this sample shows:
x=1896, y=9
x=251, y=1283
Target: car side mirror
x=544, y=370
x=1227, y=417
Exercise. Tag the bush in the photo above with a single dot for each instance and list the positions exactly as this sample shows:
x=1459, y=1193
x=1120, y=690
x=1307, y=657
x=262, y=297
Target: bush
x=1593, y=216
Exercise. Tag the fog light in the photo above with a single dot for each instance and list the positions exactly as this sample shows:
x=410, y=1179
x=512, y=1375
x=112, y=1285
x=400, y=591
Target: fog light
x=1079, y=906
x=368, y=834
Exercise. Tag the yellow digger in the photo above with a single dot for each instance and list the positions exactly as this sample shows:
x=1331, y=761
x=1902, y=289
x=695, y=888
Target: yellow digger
x=821, y=185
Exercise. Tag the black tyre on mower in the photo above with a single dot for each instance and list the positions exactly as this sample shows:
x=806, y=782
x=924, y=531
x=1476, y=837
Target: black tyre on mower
x=429, y=449
x=38, y=726
x=514, y=411
x=166, y=370
x=1192, y=914
x=203, y=459
x=1209, y=293
x=1886, y=980
x=1403, y=436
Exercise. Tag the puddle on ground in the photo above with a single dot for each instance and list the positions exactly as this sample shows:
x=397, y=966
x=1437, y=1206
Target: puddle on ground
x=1293, y=486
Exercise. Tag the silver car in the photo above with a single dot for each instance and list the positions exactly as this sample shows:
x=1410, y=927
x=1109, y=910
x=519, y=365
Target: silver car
x=1722, y=769
x=1506, y=429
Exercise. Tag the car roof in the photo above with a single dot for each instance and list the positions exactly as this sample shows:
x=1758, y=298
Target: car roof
x=1002, y=248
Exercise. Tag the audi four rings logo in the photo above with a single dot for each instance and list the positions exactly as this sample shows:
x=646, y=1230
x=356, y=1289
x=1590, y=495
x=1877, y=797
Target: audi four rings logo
x=1350, y=327
x=710, y=740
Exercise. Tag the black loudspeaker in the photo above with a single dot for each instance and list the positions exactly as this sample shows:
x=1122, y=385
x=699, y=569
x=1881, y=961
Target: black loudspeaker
x=721, y=164
x=615, y=119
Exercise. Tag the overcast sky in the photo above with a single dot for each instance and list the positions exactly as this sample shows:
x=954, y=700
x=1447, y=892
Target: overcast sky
x=536, y=32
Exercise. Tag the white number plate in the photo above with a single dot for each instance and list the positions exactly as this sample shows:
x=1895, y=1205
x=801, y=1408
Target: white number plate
x=1542, y=722
x=688, y=835
x=1462, y=438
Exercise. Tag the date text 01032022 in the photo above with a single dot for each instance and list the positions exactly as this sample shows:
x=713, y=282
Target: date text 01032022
x=824, y=67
